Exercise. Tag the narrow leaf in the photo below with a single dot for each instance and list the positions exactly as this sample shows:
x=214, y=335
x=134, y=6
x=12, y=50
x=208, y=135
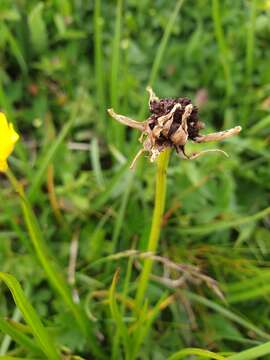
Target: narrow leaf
x=40, y=333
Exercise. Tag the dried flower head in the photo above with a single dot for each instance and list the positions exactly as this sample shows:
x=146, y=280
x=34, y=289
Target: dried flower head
x=8, y=138
x=171, y=124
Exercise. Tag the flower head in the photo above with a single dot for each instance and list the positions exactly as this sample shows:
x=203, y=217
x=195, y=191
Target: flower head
x=172, y=122
x=8, y=138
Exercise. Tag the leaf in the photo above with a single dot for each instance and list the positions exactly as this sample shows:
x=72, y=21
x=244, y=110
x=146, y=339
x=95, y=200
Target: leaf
x=15, y=48
x=95, y=160
x=39, y=331
x=222, y=225
x=37, y=27
x=264, y=123
x=49, y=155
x=116, y=314
x=182, y=354
x=253, y=353
x=18, y=336
x=228, y=314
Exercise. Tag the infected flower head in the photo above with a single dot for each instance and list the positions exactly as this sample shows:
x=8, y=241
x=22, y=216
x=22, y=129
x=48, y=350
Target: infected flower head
x=172, y=122
x=8, y=138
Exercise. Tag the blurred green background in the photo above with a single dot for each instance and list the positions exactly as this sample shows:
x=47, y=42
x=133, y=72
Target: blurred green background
x=62, y=64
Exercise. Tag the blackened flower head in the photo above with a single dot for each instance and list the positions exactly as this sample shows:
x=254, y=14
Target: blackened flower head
x=172, y=122
x=159, y=108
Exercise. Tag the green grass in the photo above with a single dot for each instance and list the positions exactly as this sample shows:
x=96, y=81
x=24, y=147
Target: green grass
x=63, y=63
x=39, y=332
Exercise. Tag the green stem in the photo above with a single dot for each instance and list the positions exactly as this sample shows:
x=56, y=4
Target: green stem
x=99, y=68
x=117, y=130
x=249, y=62
x=250, y=41
x=223, y=50
x=160, y=196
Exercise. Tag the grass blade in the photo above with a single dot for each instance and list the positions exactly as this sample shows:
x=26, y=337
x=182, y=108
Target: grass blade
x=222, y=46
x=249, y=61
x=95, y=160
x=118, y=130
x=182, y=354
x=40, y=333
x=15, y=48
x=18, y=336
x=264, y=123
x=99, y=68
x=116, y=55
x=107, y=194
x=222, y=225
x=121, y=213
x=37, y=27
x=49, y=155
x=228, y=314
x=250, y=41
x=253, y=353
x=160, y=53
x=116, y=314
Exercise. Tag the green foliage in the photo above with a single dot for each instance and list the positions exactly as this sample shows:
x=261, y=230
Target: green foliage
x=37, y=328
x=63, y=63
x=37, y=28
x=202, y=353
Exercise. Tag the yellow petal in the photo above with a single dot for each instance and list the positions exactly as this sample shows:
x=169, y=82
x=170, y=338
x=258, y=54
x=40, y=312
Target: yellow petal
x=13, y=135
x=3, y=166
x=8, y=138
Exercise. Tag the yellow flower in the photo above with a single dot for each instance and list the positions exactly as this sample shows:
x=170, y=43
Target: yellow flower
x=8, y=138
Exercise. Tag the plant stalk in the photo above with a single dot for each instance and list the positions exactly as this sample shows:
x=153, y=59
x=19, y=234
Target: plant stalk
x=160, y=196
